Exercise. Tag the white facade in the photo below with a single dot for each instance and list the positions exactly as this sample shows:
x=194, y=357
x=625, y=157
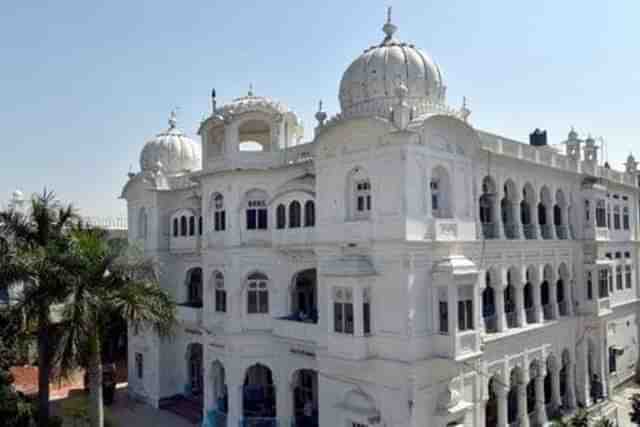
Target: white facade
x=402, y=269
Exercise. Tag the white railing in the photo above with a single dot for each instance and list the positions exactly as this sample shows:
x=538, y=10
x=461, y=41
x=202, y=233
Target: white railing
x=108, y=223
x=303, y=331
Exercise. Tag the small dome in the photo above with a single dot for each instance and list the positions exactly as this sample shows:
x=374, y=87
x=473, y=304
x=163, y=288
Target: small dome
x=17, y=195
x=369, y=84
x=171, y=151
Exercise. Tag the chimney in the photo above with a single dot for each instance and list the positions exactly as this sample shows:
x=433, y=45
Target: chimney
x=538, y=138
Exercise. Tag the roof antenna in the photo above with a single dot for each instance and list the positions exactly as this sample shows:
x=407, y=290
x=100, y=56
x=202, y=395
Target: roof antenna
x=389, y=29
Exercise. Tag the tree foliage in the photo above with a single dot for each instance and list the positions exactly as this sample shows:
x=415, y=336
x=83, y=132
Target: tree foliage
x=634, y=415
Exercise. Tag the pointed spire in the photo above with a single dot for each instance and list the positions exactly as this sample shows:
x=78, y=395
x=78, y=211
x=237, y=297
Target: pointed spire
x=321, y=116
x=389, y=29
x=173, y=120
x=250, y=93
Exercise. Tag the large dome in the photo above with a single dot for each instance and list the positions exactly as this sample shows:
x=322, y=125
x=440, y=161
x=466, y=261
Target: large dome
x=369, y=84
x=171, y=152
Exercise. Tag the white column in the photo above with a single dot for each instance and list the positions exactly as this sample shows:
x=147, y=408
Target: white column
x=517, y=220
x=284, y=405
x=541, y=412
x=234, y=389
x=550, y=221
x=537, y=302
x=501, y=320
x=583, y=374
x=556, y=398
x=571, y=385
x=501, y=395
x=520, y=311
x=523, y=412
x=498, y=214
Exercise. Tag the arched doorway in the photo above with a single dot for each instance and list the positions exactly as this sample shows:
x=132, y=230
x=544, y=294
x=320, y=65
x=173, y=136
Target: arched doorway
x=512, y=396
x=489, y=306
x=194, y=287
x=258, y=394
x=305, y=398
x=491, y=408
x=304, y=297
x=193, y=387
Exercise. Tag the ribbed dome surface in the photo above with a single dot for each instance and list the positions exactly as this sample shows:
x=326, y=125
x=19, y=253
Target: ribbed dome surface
x=368, y=85
x=171, y=151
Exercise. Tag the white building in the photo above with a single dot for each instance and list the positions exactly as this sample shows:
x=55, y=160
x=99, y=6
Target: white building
x=402, y=269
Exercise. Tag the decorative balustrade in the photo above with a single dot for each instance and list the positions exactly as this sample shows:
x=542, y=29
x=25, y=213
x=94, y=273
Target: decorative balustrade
x=529, y=231
x=511, y=231
x=512, y=319
x=562, y=232
x=564, y=308
x=546, y=231
x=490, y=230
x=491, y=324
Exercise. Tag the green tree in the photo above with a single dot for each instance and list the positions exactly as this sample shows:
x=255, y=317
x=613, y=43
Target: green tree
x=634, y=415
x=31, y=246
x=110, y=279
x=580, y=419
x=604, y=422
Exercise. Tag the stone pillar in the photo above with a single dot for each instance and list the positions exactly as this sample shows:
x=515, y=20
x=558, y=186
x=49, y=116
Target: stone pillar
x=234, y=389
x=501, y=319
x=284, y=405
x=517, y=220
x=550, y=221
x=537, y=302
x=520, y=311
x=497, y=213
x=501, y=395
x=523, y=412
x=582, y=385
x=541, y=412
x=535, y=226
x=571, y=386
x=556, y=398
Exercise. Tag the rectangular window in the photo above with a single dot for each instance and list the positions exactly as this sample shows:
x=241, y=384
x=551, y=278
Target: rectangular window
x=465, y=315
x=363, y=197
x=443, y=311
x=587, y=212
x=366, y=313
x=619, y=277
x=616, y=218
x=257, y=215
x=625, y=218
x=601, y=220
x=343, y=311
x=139, y=366
x=627, y=271
x=589, y=285
x=612, y=360
x=221, y=301
x=219, y=221
x=257, y=297
x=603, y=283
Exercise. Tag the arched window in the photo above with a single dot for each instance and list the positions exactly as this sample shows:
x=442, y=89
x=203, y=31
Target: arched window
x=176, y=230
x=256, y=210
x=200, y=225
x=625, y=218
x=309, y=214
x=295, y=213
x=616, y=217
x=220, y=293
x=194, y=287
x=257, y=294
x=601, y=213
x=281, y=217
x=192, y=226
x=183, y=225
x=219, y=216
x=359, y=202
x=440, y=191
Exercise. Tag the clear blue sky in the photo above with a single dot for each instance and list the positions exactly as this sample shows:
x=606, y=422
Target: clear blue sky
x=84, y=84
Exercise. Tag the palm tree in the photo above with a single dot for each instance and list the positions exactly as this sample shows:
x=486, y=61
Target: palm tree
x=110, y=279
x=31, y=244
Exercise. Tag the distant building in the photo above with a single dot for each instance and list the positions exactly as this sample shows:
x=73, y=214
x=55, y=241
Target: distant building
x=403, y=268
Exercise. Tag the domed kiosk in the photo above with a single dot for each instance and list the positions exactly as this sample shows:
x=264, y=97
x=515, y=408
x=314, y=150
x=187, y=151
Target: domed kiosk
x=369, y=85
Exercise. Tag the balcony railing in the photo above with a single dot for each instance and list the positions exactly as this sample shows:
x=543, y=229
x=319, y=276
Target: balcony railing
x=563, y=308
x=562, y=232
x=511, y=231
x=547, y=311
x=190, y=313
x=288, y=327
x=512, y=319
x=546, y=231
x=529, y=231
x=490, y=230
x=491, y=324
